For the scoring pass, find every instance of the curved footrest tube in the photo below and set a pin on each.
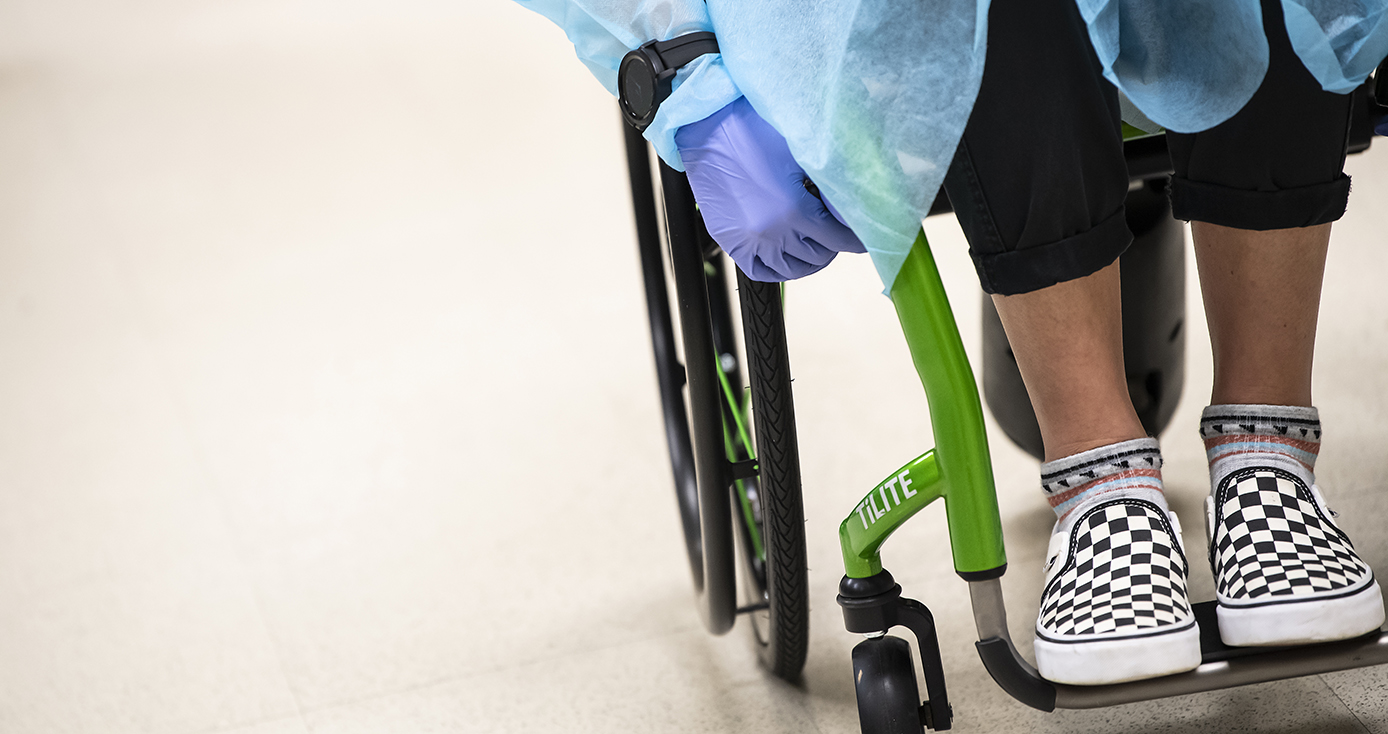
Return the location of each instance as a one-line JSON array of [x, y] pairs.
[[1015, 675]]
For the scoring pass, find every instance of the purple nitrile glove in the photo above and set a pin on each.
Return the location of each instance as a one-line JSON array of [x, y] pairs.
[[754, 197]]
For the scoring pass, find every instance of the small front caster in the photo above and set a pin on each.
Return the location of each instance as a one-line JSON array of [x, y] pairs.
[[885, 679], [883, 674]]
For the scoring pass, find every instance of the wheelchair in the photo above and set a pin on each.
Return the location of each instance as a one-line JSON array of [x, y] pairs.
[[730, 427]]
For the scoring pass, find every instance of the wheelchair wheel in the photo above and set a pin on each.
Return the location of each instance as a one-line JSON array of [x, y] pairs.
[[885, 680], [734, 460]]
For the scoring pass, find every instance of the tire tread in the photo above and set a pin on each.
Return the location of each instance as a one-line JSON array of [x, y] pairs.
[[783, 532]]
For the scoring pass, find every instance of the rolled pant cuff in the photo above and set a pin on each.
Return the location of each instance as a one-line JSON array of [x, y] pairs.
[[1306, 206], [1034, 268]]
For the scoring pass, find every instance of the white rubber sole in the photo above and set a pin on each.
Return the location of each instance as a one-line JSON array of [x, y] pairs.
[[1303, 622], [1101, 662]]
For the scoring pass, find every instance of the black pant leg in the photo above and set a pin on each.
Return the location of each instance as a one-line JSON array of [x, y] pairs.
[[1039, 180]]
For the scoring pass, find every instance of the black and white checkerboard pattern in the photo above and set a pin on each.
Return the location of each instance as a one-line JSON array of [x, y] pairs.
[[1271, 540], [1124, 575]]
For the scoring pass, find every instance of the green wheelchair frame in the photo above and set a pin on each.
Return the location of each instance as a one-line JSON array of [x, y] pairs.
[[958, 470]]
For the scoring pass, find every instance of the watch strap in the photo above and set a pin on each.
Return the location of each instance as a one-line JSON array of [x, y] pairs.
[[681, 50]]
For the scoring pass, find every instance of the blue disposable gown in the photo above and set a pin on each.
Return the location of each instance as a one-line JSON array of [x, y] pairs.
[[872, 95]]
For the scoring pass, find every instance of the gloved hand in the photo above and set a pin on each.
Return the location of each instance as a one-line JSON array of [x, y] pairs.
[[754, 197]]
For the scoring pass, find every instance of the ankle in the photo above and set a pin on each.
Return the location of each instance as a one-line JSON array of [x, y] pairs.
[[1096, 423], [1268, 390]]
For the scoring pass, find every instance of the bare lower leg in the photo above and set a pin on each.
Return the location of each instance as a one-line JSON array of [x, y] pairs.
[[1068, 340], [1262, 296]]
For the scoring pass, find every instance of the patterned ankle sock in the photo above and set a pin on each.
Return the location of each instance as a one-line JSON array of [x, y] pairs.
[[1237, 437], [1125, 469]]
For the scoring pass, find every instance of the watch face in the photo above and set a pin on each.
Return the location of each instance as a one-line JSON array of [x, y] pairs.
[[638, 86]]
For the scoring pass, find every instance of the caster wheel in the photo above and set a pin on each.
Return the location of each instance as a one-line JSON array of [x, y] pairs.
[[888, 698]]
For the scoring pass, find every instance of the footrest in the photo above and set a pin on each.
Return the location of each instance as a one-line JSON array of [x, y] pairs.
[[1213, 649]]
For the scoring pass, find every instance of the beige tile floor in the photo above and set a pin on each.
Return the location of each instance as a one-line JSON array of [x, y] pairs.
[[326, 402]]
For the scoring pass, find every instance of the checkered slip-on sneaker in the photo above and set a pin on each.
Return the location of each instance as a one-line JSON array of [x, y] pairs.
[[1114, 607], [1284, 573]]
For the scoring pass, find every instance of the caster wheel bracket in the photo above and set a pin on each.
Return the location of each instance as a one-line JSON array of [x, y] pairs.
[[936, 712]]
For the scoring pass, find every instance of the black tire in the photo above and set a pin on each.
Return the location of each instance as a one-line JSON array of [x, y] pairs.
[[781, 631], [885, 679]]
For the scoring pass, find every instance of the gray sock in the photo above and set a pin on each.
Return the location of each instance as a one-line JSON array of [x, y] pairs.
[[1124, 469], [1286, 437]]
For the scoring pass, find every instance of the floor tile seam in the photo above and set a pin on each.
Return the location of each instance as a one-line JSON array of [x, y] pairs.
[[212, 485], [253, 722], [214, 488], [1343, 702], [447, 680], [138, 314]]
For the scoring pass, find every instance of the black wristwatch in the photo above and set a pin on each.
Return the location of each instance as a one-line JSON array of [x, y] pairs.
[[643, 79]]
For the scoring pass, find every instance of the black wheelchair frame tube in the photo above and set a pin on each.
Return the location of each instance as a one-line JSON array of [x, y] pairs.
[[718, 593]]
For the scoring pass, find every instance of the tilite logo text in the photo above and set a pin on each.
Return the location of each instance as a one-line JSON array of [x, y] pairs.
[[868, 510]]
